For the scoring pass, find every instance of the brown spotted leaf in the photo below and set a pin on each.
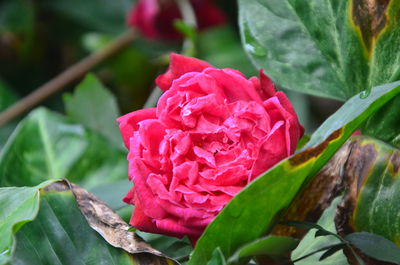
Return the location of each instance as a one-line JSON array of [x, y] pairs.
[[372, 202]]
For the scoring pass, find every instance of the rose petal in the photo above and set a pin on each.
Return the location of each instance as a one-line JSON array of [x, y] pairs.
[[129, 122], [178, 66]]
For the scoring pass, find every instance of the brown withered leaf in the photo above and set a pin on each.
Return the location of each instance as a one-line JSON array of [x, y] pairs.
[[361, 159], [346, 173], [111, 227], [317, 196]]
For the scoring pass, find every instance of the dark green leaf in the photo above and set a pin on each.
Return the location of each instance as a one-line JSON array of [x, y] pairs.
[[326, 48], [45, 146], [268, 246], [284, 181], [375, 246], [93, 106], [334, 249], [322, 233], [63, 232]]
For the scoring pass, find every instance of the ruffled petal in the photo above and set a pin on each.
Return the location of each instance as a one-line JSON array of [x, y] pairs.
[[129, 122], [179, 65]]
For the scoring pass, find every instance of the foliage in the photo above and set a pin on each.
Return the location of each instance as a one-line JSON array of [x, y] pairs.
[[344, 50], [284, 181]]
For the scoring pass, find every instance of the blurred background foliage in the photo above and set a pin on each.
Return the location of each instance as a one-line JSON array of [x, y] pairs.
[[39, 39]]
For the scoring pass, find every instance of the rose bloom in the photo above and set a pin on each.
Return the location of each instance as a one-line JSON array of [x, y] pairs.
[[213, 131], [155, 18]]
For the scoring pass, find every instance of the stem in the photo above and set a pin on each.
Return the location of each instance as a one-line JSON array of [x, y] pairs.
[[68, 76], [188, 47], [189, 17]]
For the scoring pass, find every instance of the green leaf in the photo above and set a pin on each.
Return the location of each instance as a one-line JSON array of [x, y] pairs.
[[268, 196], [310, 244], [18, 206], [268, 246], [217, 258], [334, 249], [375, 246], [327, 48], [63, 229], [45, 146], [93, 106]]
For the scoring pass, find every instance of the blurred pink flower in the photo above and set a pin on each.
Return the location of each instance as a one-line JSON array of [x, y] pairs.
[[155, 18]]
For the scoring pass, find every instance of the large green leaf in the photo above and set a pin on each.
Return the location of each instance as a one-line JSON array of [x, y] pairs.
[[62, 231], [18, 206], [45, 146], [326, 48], [262, 203], [93, 106]]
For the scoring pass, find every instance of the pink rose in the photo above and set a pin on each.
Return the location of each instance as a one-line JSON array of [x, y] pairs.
[[155, 18], [213, 132]]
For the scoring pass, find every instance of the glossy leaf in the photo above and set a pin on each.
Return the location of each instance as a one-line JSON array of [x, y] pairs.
[[18, 206], [272, 246], [268, 196], [327, 48], [93, 106], [61, 231], [45, 146], [375, 246]]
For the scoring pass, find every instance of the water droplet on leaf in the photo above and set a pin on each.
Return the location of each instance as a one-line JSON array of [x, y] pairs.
[[365, 93], [252, 45]]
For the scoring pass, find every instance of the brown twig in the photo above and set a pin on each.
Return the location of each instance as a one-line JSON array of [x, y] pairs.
[[73, 73]]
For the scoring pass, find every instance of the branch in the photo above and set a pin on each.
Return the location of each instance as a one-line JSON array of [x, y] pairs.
[[67, 77]]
